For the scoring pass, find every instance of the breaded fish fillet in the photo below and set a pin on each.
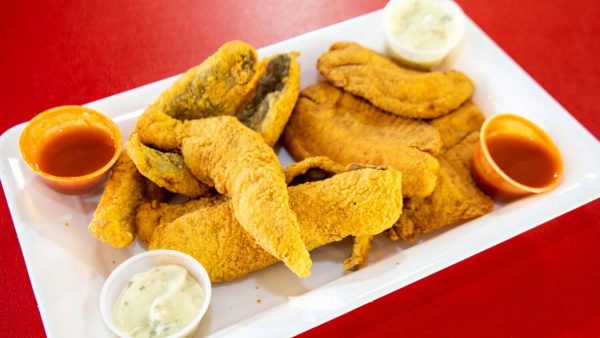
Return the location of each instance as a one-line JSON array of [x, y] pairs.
[[150, 215], [221, 85], [114, 218], [456, 197], [274, 99], [240, 165], [388, 86], [347, 129], [166, 169], [359, 203], [458, 124]]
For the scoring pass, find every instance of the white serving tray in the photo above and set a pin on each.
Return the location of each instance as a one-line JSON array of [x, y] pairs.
[[67, 266]]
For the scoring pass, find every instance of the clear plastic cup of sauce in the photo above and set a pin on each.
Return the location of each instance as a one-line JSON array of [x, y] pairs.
[[421, 33], [515, 157], [71, 147]]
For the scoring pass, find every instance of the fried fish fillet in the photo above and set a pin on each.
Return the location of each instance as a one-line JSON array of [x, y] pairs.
[[149, 215], [221, 85], [114, 218], [388, 86], [274, 99], [166, 169], [456, 197], [360, 203], [239, 164], [458, 124], [332, 123]]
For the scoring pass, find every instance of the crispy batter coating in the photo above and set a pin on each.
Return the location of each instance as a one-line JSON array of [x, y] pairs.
[[149, 215], [166, 169], [455, 199], [239, 164], [388, 86], [360, 252], [114, 218], [312, 169], [359, 203], [274, 99], [332, 123], [457, 125], [221, 85]]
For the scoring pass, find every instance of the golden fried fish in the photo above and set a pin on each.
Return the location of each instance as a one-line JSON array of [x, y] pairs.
[[456, 197], [363, 202], [329, 122], [236, 160], [388, 86], [458, 124]]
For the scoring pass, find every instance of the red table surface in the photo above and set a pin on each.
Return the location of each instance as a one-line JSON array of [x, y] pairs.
[[545, 282]]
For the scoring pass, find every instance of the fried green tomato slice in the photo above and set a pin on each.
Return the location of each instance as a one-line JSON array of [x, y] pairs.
[[166, 169], [274, 99], [404, 92], [358, 203], [221, 85]]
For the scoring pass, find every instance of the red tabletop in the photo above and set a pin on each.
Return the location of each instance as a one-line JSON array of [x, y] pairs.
[[545, 282]]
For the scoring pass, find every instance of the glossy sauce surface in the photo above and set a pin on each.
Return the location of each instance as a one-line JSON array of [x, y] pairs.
[[76, 151], [523, 160]]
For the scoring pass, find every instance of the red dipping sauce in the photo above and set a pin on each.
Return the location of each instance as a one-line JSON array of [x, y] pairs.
[[523, 160], [76, 151]]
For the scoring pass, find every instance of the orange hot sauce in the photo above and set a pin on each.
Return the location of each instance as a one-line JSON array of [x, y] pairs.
[[523, 160], [515, 158], [76, 151], [71, 147]]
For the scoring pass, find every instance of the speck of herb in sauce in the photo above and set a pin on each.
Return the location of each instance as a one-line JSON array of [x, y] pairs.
[[258, 301], [142, 288]]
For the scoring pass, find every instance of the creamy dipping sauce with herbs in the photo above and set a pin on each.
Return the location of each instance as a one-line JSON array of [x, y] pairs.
[[158, 302], [422, 24]]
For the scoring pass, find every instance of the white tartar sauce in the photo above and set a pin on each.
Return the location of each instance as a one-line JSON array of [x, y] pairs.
[[422, 24], [158, 302]]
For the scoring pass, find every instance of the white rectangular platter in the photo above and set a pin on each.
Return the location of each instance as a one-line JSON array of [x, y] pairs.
[[67, 266]]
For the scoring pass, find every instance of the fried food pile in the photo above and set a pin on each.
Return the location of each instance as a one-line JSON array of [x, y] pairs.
[[375, 112], [209, 138], [380, 149]]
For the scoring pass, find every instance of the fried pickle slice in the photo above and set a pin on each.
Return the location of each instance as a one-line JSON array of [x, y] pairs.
[[388, 86], [270, 108], [114, 218], [166, 169], [455, 199], [221, 85], [329, 122], [359, 203], [239, 164]]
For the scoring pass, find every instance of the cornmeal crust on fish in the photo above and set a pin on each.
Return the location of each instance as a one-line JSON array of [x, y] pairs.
[[360, 203], [235, 160], [390, 87], [329, 122]]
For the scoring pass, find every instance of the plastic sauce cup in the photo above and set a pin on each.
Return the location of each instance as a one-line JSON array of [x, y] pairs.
[[118, 279], [423, 58], [49, 125], [515, 157]]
